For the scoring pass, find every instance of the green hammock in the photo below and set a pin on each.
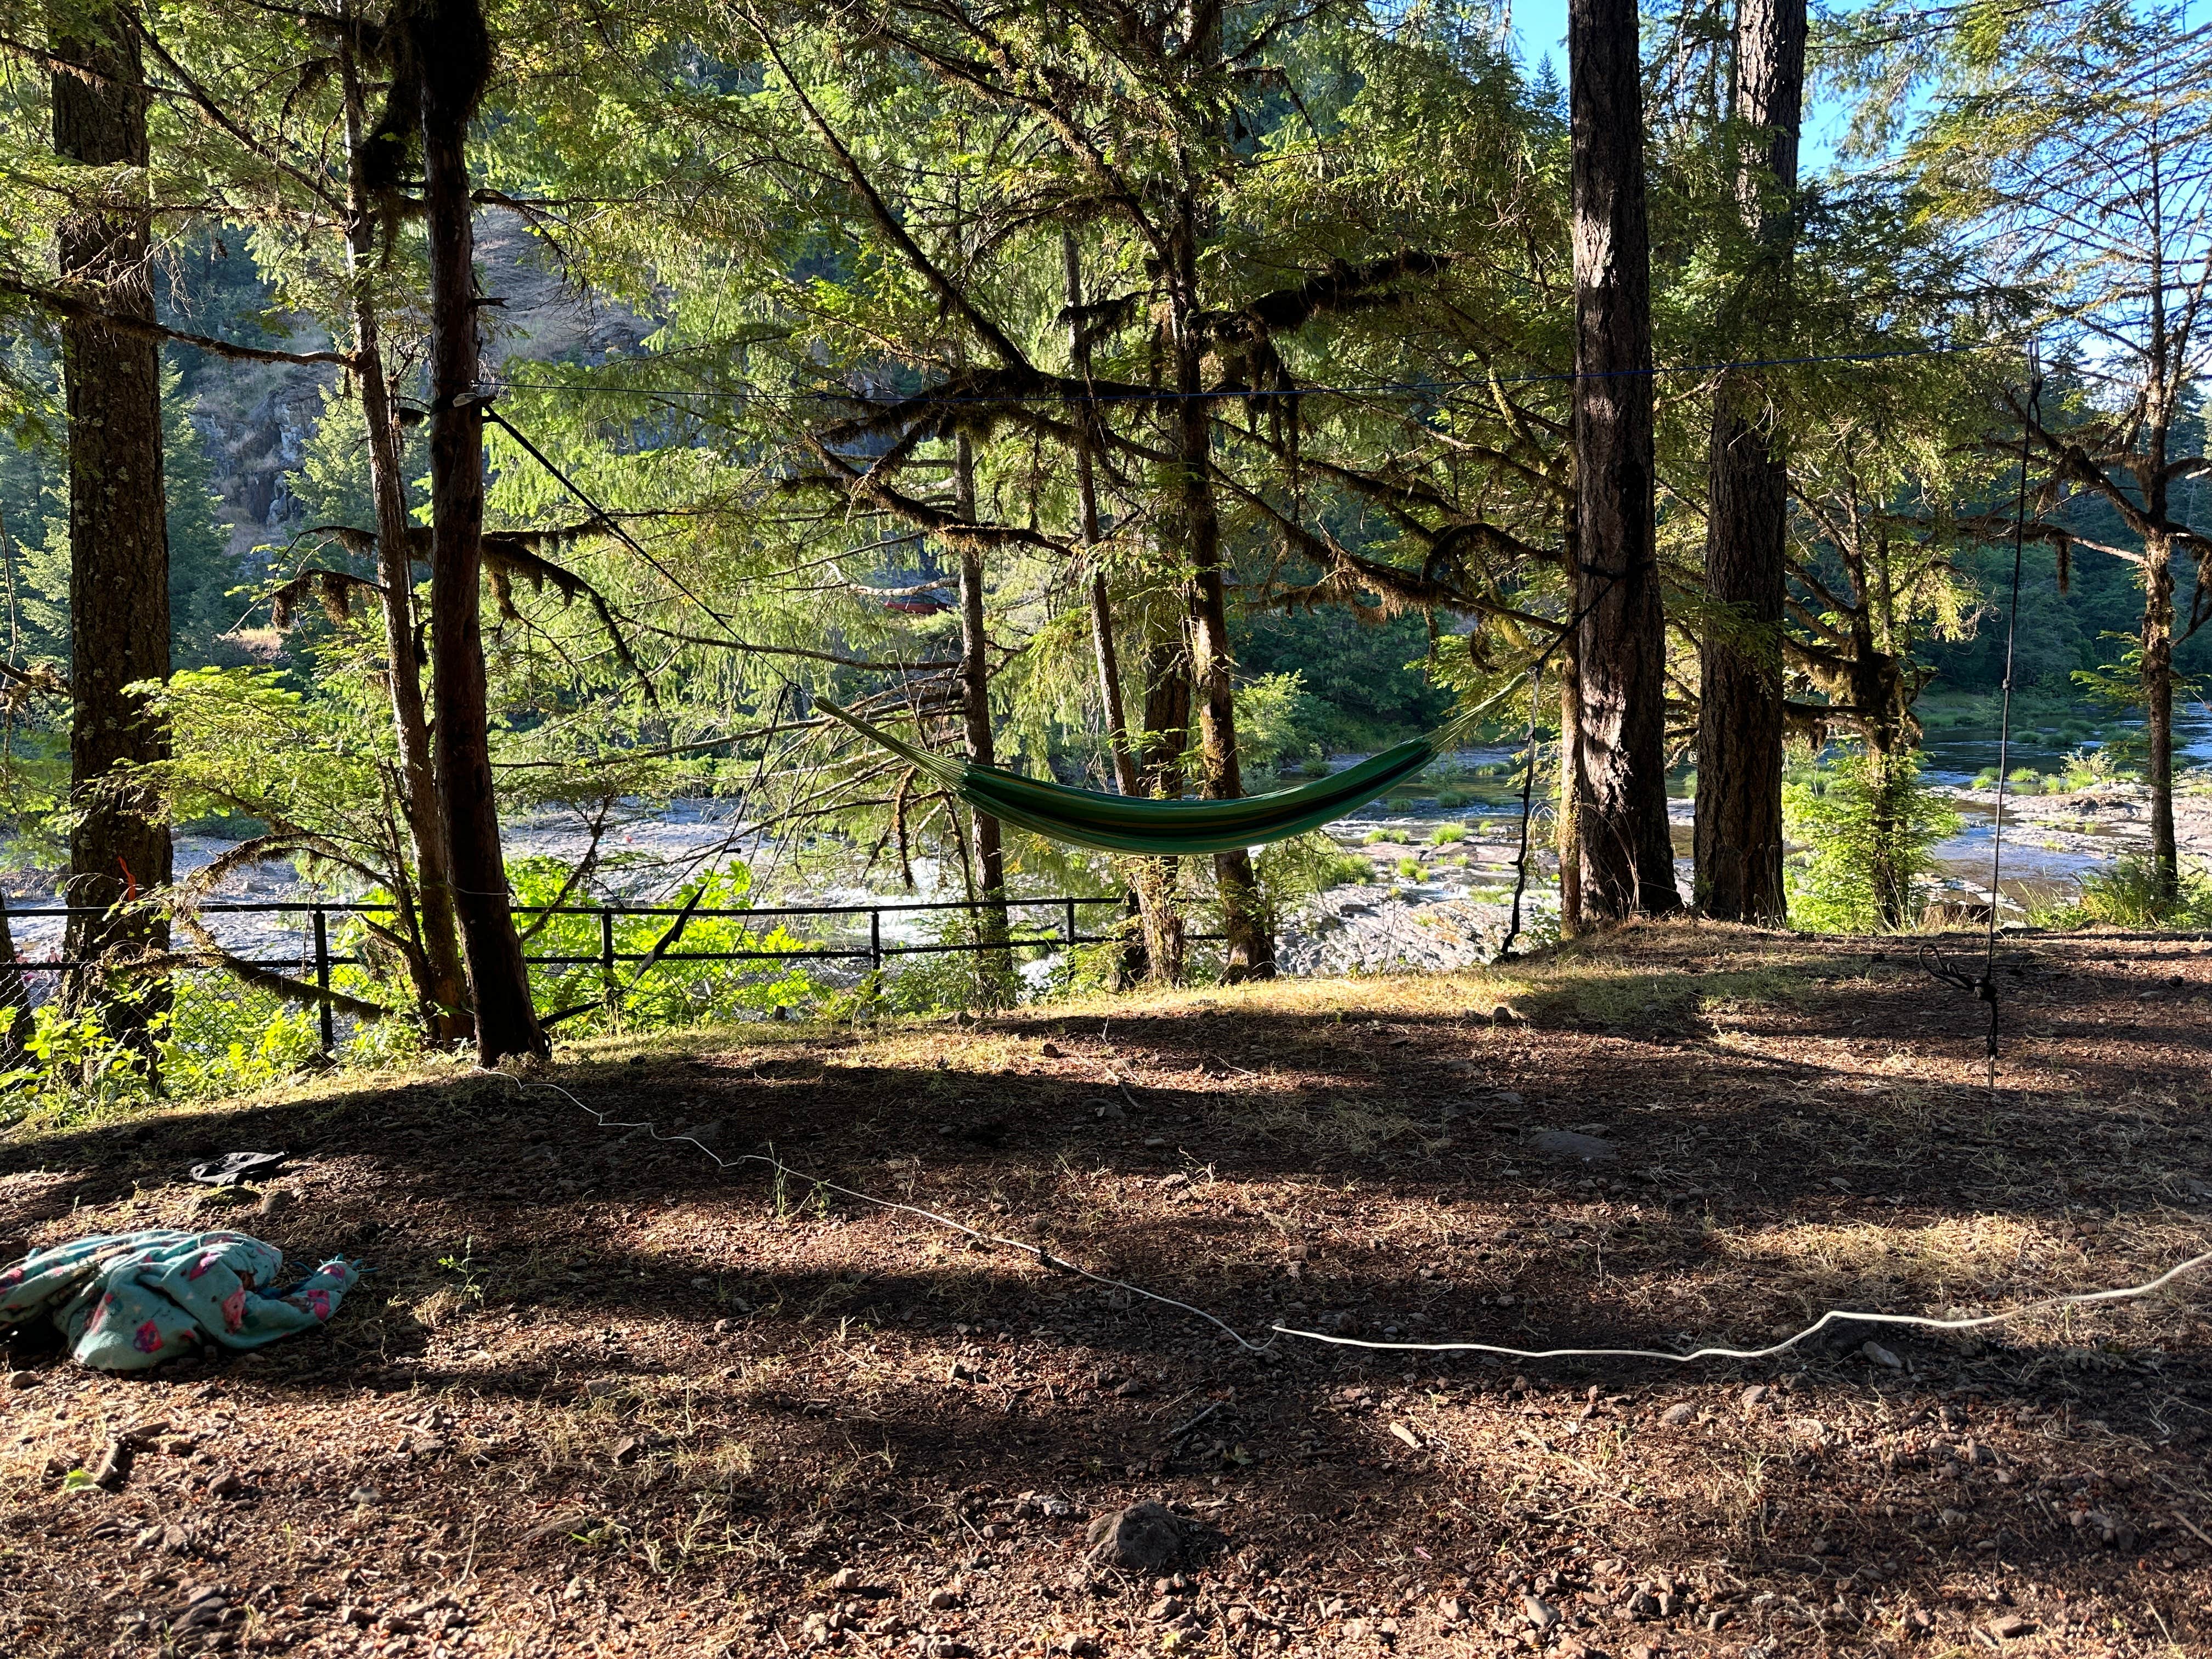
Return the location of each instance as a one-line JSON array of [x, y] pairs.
[[1168, 829]]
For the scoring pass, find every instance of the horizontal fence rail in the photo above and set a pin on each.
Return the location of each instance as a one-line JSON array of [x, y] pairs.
[[317, 948]]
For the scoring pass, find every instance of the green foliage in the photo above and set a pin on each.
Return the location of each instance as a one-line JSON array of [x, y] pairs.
[[2090, 768], [1305, 865], [1867, 824], [1347, 871], [1448, 833], [1357, 690], [1273, 714], [34, 521], [934, 981], [2131, 895], [216, 1037], [678, 991]]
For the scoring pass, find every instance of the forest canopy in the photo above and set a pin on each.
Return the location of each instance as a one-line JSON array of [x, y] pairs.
[[535, 408]]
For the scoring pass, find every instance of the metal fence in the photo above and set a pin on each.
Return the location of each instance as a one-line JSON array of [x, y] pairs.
[[315, 953]]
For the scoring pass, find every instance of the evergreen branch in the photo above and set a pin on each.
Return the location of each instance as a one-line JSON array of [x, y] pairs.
[[66, 304]]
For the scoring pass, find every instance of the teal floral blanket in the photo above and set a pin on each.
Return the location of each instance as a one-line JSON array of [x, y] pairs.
[[125, 1302]]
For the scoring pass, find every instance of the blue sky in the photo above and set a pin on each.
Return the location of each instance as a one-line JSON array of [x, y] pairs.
[[1542, 26]]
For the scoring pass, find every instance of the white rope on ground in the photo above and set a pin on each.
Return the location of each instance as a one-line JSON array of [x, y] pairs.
[[1833, 1315]]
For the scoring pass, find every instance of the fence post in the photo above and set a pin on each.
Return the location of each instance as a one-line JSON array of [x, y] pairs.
[[323, 979], [1071, 921], [607, 952], [876, 940]]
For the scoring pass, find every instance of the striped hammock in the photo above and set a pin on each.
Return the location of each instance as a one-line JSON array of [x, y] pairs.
[[1166, 829]]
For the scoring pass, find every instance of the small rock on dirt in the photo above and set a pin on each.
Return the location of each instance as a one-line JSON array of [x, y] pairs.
[[2010, 1627], [1145, 1537], [1567, 1142], [1883, 1356], [22, 1379], [1541, 1614], [114, 1465], [1676, 1415]]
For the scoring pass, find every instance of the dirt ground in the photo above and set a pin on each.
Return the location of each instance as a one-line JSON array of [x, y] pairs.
[[600, 1397]]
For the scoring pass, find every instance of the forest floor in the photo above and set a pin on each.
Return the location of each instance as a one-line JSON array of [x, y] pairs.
[[600, 1397]]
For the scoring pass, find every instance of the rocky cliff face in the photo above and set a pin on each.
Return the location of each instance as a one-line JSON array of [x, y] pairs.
[[259, 419]]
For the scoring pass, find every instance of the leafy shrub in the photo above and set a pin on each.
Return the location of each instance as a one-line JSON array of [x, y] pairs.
[[1869, 824], [2086, 768], [680, 990], [2128, 896], [1410, 869], [1448, 833], [216, 1037]]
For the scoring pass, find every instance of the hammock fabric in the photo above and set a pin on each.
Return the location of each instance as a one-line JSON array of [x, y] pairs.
[[1166, 829]]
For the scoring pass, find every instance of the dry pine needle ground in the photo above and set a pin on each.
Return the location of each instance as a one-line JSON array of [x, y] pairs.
[[600, 1398]]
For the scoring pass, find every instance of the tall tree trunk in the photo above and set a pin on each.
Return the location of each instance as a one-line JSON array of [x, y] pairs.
[[440, 988], [1087, 491], [1566, 838], [118, 518], [1144, 888], [1248, 946], [2157, 709], [1740, 735], [1248, 949], [1627, 855], [16, 1015], [975, 714], [1167, 729], [453, 53]]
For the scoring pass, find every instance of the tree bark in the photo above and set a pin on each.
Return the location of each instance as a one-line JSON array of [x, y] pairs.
[[1625, 851], [440, 988], [1566, 839], [1146, 890], [975, 713], [1248, 949], [119, 528], [453, 54], [1087, 491], [15, 1016], [2158, 710], [1740, 718], [1167, 728], [1248, 946]]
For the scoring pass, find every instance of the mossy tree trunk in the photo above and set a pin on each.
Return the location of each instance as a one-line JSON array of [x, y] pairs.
[[119, 850]]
